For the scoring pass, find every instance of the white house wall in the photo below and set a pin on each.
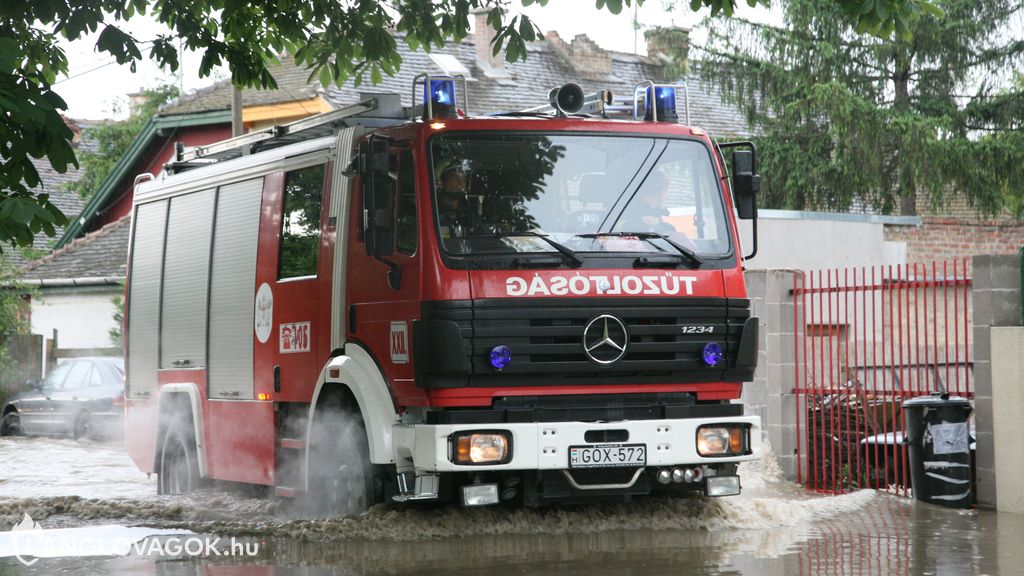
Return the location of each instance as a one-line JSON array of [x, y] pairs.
[[813, 240], [83, 318]]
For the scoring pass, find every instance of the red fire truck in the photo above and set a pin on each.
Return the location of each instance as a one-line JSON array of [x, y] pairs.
[[388, 303]]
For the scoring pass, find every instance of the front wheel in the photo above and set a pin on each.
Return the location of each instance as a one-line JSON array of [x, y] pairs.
[[11, 425], [342, 481], [179, 464]]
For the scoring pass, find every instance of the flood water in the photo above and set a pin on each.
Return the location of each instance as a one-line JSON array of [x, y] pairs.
[[92, 490]]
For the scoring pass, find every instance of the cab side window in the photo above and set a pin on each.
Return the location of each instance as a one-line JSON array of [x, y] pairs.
[[300, 222], [406, 228]]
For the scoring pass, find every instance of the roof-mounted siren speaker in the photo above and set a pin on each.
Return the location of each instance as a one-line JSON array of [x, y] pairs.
[[567, 98], [439, 98], [660, 102]]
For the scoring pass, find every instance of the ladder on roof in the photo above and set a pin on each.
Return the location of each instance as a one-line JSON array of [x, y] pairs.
[[316, 126]]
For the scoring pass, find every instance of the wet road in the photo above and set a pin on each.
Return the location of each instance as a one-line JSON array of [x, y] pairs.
[[773, 528]]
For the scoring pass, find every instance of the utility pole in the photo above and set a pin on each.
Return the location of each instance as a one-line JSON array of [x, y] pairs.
[[236, 110]]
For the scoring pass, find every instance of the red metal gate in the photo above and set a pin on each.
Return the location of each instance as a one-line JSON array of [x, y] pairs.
[[866, 339]]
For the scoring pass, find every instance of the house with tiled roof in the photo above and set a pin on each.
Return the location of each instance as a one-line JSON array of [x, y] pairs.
[[204, 117]]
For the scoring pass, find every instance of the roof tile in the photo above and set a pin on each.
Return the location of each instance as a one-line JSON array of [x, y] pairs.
[[526, 85], [100, 254]]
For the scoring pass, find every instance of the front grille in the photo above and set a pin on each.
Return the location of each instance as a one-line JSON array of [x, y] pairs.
[[666, 338]]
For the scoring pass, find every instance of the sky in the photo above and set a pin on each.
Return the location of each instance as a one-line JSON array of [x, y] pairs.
[[97, 87]]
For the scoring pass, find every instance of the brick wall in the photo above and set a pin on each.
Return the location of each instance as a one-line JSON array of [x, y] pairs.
[[945, 238]]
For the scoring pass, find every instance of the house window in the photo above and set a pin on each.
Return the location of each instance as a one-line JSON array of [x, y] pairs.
[[300, 222]]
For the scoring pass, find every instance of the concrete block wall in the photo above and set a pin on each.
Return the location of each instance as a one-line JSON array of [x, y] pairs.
[[996, 298], [770, 395]]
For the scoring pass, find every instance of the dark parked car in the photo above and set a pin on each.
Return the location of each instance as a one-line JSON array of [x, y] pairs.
[[81, 397]]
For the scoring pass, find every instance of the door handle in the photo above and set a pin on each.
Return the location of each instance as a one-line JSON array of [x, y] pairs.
[[277, 378]]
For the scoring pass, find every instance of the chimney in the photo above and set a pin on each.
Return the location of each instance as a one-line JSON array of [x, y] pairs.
[[136, 101], [482, 37], [589, 59], [670, 45]]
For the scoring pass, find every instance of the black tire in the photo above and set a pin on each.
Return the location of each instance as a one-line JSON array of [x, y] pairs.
[[342, 481], [83, 429], [10, 425], [179, 462]]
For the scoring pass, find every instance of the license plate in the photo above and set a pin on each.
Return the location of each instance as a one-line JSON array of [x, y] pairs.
[[608, 456]]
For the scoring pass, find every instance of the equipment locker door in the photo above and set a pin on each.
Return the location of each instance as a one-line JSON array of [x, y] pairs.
[[293, 276]]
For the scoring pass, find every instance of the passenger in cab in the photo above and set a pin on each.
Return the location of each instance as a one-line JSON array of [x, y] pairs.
[[455, 216]]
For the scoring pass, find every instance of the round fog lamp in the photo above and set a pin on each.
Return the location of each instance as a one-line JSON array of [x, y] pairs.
[[713, 354], [501, 357]]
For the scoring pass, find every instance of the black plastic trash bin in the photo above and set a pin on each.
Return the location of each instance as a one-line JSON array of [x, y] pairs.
[[939, 441]]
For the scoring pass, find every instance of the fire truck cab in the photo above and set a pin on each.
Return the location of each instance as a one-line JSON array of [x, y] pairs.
[[416, 304]]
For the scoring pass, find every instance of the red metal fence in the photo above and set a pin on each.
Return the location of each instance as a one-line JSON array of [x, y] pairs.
[[866, 339]]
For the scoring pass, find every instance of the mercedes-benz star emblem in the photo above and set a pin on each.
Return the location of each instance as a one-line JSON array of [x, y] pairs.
[[605, 339]]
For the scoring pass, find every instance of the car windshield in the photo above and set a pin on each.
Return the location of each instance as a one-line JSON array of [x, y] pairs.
[[55, 377], [524, 193]]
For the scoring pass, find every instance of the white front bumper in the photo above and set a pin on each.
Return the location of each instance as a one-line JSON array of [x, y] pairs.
[[545, 445]]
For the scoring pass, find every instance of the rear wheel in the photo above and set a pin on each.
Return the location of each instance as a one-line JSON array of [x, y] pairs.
[[342, 481], [179, 464], [83, 426], [11, 424]]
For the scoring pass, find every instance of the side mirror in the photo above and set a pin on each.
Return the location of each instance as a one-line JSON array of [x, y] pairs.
[[379, 206], [34, 383], [746, 183]]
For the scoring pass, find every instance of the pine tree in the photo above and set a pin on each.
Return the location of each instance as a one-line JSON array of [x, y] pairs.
[[845, 119]]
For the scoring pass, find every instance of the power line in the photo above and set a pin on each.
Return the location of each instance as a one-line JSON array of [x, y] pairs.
[[80, 74]]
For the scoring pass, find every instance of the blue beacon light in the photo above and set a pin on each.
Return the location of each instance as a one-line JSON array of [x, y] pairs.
[[440, 94], [663, 101], [501, 357], [712, 354]]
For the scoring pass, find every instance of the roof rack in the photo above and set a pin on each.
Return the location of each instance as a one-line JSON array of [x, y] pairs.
[[308, 128]]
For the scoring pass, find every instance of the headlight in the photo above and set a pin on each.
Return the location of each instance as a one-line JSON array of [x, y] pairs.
[[481, 447], [722, 440]]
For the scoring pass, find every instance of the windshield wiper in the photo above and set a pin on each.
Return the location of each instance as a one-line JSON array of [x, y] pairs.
[[576, 259], [683, 250]]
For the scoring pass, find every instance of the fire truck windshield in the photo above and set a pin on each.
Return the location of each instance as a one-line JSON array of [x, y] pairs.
[[527, 193]]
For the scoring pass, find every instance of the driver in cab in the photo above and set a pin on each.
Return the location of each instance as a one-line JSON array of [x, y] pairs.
[[647, 212]]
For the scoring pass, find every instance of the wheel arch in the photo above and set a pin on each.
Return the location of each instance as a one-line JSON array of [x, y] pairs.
[[179, 401], [356, 374]]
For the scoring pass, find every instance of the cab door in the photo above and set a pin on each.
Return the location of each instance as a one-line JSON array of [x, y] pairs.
[[384, 304], [293, 274]]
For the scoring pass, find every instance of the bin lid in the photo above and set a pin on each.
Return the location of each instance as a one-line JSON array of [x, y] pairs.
[[935, 399]]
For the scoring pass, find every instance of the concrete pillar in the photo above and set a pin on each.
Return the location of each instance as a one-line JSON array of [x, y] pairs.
[[1007, 406], [771, 394], [996, 302]]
